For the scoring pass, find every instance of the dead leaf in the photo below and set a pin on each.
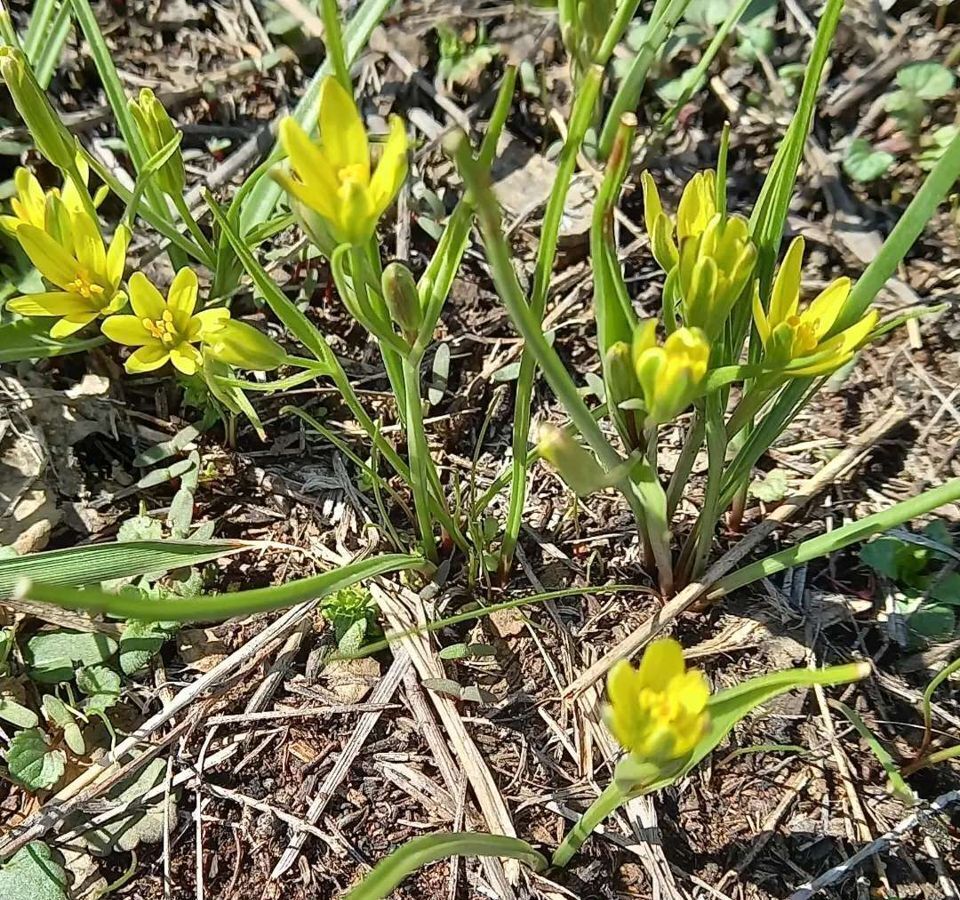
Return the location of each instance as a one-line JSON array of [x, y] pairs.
[[201, 648], [351, 679]]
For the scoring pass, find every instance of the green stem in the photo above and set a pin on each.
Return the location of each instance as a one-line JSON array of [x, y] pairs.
[[420, 851], [608, 802], [688, 456], [710, 512], [546, 254], [333, 40], [938, 756], [187, 217], [418, 451]]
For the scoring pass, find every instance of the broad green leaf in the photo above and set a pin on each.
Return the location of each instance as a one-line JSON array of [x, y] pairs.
[[946, 589], [137, 826], [32, 762], [926, 80], [33, 874], [772, 488], [16, 713], [94, 563], [130, 605], [54, 656], [896, 559], [101, 685], [420, 851], [140, 528], [932, 622], [141, 641], [862, 163]]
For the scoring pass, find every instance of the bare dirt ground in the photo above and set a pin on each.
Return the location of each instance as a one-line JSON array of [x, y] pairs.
[[283, 783]]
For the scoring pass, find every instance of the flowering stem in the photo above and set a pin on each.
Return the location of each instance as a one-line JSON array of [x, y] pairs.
[[688, 455], [418, 451], [608, 802], [205, 247]]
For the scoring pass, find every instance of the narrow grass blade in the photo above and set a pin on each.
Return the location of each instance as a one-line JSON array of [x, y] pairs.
[[262, 199], [116, 96], [896, 783], [935, 187], [925, 705], [49, 56], [104, 562], [842, 537], [219, 606], [40, 18], [428, 848]]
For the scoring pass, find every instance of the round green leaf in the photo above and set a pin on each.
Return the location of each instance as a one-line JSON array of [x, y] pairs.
[[31, 761], [863, 163], [926, 80]]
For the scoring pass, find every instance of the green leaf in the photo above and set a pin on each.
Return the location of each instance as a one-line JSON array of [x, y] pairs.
[[137, 826], [896, 784], [16, 713], [31, 761], [140, 528], [896, 559], [420, 851], [140, 642], [32, 874], [30, 339], [54, 656], [772, 488], [101, 685], [59, 715], [730, 706], [94, 563], [926, 80], [933, 622], [946, 589], [129, 605], [863, 163]]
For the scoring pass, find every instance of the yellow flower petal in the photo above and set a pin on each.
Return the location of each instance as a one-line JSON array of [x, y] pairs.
[[127, 330], [692, 691], [785, 297], [760, 318], [53, 303], [186, 358], [342, 132], [88, 245], [827, 306], [392, 168], [661, 663], [182, 297], [146, 300], [207, 323], [117, 256], [147, 358], [72, 323], [53, 262]]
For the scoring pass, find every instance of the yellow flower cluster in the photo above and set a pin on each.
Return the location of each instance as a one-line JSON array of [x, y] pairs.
[[658, 711], [335, 177], [712, 259], [63, 240]]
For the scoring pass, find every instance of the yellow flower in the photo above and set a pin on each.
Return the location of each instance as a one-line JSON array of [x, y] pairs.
[[658, 712], [797, 342], [715, 258], [670, 376], [164, 329], [334, 177], [87, 273], [30, 205]]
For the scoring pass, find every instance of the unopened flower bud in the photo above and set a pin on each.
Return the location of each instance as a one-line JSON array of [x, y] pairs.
[[576, 465], [45, 127], [157, 131], [245, 347], [403, 299], [622, 383]]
